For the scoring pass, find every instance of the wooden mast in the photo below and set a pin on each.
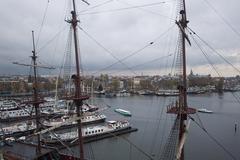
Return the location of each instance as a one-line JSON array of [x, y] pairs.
[[35, 95], [183, 85], [77, 79], [181, 108]]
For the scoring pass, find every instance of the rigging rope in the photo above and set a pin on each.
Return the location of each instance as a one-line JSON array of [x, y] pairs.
[[134, 145], [237, 97], [223, 19], [51, 40], [145, 10], [108, 51], [142, 64], [43, 20], [99, 5], [214, 50], [206, 56], [158, 126], [170, 148], [137, 51], [122, 9], [213, 138]]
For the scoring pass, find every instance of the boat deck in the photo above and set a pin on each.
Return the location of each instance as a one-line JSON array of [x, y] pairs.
[[22, 150], [27, 151]]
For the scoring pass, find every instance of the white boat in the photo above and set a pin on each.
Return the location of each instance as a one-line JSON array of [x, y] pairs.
[[88, 119], [6, 105], [65, 107], [18, 113], [204, 110], [123, 112], [87, 132], [24, 112], [17, 128], [167, 93]]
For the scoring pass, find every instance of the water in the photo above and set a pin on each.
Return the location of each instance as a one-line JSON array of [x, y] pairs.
[[149, 116]]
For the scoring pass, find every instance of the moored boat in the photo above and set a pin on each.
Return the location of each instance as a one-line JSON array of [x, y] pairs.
[[89, 132], [18, 128], [167, 93], [88, 119], [123, 112], [204, 110], [6, 105]]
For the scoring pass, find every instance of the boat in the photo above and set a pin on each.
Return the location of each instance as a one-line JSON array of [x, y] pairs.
[[28, 112], [87, 119], [167, 93], [204, 110], [88, 132], [123, 93], [17, 129], [6, 105], [123, 112], [145, 92], [35, 147], [16, 114]]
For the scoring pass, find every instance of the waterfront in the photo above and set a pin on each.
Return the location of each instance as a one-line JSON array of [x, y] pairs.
[[149, 116]]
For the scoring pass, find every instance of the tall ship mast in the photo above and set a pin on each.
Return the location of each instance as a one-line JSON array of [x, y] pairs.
[[36, 101], [78, 98], [180, 108]]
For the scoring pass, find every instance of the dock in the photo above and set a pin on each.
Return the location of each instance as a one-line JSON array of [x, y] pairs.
[[27, 149]]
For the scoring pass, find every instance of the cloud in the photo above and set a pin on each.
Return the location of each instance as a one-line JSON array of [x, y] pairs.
[[121, 33]]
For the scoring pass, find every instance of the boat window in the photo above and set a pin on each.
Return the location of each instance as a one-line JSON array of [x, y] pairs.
[[101, 129], [96, 131], [92, 131], [86, 132], [89, 132]]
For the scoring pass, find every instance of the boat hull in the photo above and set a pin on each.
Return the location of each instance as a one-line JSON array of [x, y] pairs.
[[75, 124], [93, 137]]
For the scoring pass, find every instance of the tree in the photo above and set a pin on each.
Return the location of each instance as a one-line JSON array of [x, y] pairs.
[[115, 85], [100, 87], [219, 85]]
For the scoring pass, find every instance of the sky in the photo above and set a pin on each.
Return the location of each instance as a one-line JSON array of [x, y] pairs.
[[110, 30]]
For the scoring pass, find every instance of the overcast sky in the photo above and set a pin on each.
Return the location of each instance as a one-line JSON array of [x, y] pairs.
[[119, 33]]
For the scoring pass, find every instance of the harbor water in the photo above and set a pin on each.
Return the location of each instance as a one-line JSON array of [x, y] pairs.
[[149, 116]]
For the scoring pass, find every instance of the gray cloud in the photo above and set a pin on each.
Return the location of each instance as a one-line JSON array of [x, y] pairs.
[[120, 32]]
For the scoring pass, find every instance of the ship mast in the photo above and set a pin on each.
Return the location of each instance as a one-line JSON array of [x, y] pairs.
[[78, 98], [181, 108], [36, 102], [182, 23]]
